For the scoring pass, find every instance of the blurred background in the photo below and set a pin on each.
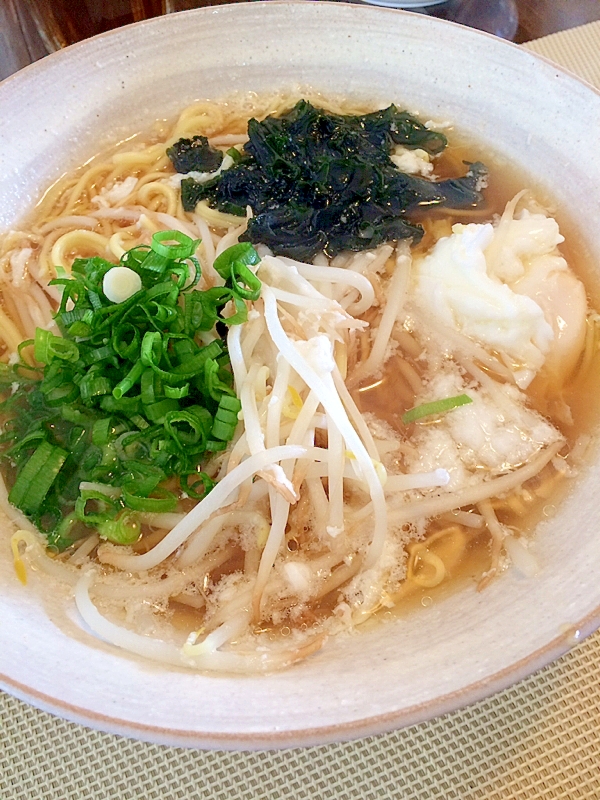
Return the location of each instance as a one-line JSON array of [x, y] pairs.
[[30, 29]]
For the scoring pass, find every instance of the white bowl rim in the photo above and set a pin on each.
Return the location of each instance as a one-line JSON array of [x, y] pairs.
[[322, 735]]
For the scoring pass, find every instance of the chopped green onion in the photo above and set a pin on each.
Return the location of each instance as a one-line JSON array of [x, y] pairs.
[[23, 346], [177, 392], [202, 481], [99, 354], [139, 421], [141, 479], [69, 530], [157, 411], [126, 340], [185, 428], [152, 349], [93, 385], [60, 395], [36, 477], [244, 282], [215, 445], [241, 314], [184, 248], [125, 405], [130, 396], [243, 252], [435, 408], [48, 346], [234, 153], [126, 529], [103, 509], [166, 502], [149, 387], [132, 377]]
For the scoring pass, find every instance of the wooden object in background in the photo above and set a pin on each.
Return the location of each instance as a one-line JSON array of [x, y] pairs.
[[541, 17]]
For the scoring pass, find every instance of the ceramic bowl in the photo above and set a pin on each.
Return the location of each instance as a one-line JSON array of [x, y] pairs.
[[60, 111]]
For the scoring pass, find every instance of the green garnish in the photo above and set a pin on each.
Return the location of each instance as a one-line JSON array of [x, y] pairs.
[[320, 181], [436, 407], [234, 153], [130, 399]]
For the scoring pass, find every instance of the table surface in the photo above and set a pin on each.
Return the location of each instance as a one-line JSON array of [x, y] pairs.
[[541, 17], [536, 18], [536, 740]]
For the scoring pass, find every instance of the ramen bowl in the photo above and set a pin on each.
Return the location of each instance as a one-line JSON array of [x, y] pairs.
[[56, 114]]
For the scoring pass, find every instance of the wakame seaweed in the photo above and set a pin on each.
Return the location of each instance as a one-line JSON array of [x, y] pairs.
[[194, 155], [320, 181]]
